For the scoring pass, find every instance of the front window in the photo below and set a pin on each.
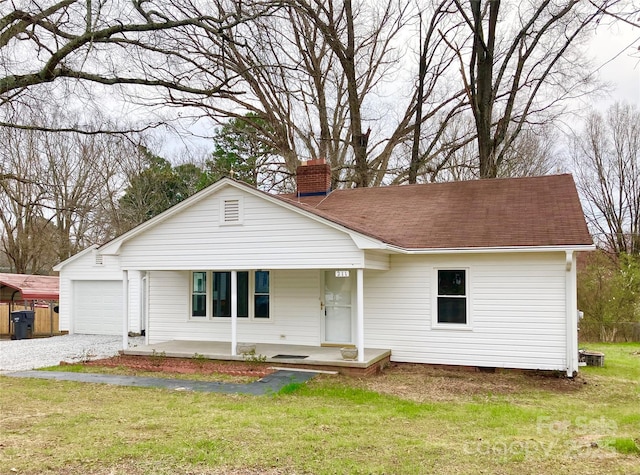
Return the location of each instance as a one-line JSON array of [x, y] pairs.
[[452, 297], [243, 294], [261, 294], [253, 293], [222, 294], [199, 294]]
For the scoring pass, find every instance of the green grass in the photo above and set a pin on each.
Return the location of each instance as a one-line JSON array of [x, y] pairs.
[[622, 445], [120, 370], [403, 422], [620, 361]]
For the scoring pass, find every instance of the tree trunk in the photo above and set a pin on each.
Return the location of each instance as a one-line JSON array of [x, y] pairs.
[[358, 139], [483, 93]]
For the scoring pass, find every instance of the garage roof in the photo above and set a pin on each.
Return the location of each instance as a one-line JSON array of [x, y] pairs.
[[32, 287]]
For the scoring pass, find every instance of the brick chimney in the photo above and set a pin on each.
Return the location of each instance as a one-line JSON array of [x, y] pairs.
[[314, 178]]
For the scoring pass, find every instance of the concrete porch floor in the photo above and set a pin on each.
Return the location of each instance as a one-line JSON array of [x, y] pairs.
[[317, 357]]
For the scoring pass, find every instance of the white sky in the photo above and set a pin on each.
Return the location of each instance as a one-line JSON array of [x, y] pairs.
[[616, 49]]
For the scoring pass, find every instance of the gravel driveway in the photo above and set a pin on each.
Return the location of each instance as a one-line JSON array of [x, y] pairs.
[[20, 355]]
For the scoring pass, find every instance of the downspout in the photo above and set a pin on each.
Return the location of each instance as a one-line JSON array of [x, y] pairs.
[[572, 314]]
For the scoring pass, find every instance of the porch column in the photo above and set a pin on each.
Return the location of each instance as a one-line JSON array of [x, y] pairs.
[[234, 312], [360, 313], [125, 309]]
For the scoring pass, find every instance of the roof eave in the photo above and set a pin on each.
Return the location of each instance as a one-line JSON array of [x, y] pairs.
[[488, 250], [58, 267], [40, 296]]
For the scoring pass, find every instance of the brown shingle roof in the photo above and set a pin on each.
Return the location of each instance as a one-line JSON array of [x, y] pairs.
[[534, 211]]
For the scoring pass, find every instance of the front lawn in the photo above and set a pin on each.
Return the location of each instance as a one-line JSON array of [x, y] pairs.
[[411, 420]]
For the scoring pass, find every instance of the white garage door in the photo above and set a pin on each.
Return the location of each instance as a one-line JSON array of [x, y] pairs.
[[97, 307]]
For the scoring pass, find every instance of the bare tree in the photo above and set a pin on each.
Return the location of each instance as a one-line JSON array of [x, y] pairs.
[[436, 111], [83, 176], [607, 169], [131, 43], [518, 67], [625, 11], [317, 74], [56, 189], [26, 235]]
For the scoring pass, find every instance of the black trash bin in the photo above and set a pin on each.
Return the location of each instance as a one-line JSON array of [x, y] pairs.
[[22, 324]]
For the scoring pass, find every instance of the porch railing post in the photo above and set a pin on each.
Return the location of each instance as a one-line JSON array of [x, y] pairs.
[[234, 312], [360, 312]]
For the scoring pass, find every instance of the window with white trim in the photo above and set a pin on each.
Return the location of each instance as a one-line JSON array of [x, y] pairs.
[[198, 294], [261, 299], [221, 300], [452, 302], [253, 292]]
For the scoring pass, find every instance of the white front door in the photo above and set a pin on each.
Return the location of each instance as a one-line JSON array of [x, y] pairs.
[[338, 306]]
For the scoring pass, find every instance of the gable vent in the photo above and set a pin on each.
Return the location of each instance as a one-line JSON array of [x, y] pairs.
[[232, 212], [99, 259]]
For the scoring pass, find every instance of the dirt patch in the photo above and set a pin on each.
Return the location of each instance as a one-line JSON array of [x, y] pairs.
[[184, 365], [423, 383]]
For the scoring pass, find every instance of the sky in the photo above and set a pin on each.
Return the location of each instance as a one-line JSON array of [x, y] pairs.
[[616, 49]]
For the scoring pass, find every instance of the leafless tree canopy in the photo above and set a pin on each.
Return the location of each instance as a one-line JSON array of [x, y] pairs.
[[58, 192], [607, 158], [387, 91], [131, 43], [519, 67]]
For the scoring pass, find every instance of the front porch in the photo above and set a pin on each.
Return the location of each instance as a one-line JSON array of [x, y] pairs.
[[291, 356]]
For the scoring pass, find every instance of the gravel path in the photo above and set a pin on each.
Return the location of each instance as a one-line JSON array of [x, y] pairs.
[[20, 355]]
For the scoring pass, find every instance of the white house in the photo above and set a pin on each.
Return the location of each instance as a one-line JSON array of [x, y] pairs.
[[479, 273]]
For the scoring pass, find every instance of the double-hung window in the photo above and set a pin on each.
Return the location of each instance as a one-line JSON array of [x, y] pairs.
[[199, 294], [452, 302], [261, 294]]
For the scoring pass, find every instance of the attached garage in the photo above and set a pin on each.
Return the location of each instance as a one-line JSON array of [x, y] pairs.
[[97, 307], [91, 295]]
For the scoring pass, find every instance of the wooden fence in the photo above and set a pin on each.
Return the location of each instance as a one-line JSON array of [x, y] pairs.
[[45, 321]]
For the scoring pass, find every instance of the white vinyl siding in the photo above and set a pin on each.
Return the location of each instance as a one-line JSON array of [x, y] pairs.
[[295, 311], [271, 237], [376, 260], [517, 302]]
